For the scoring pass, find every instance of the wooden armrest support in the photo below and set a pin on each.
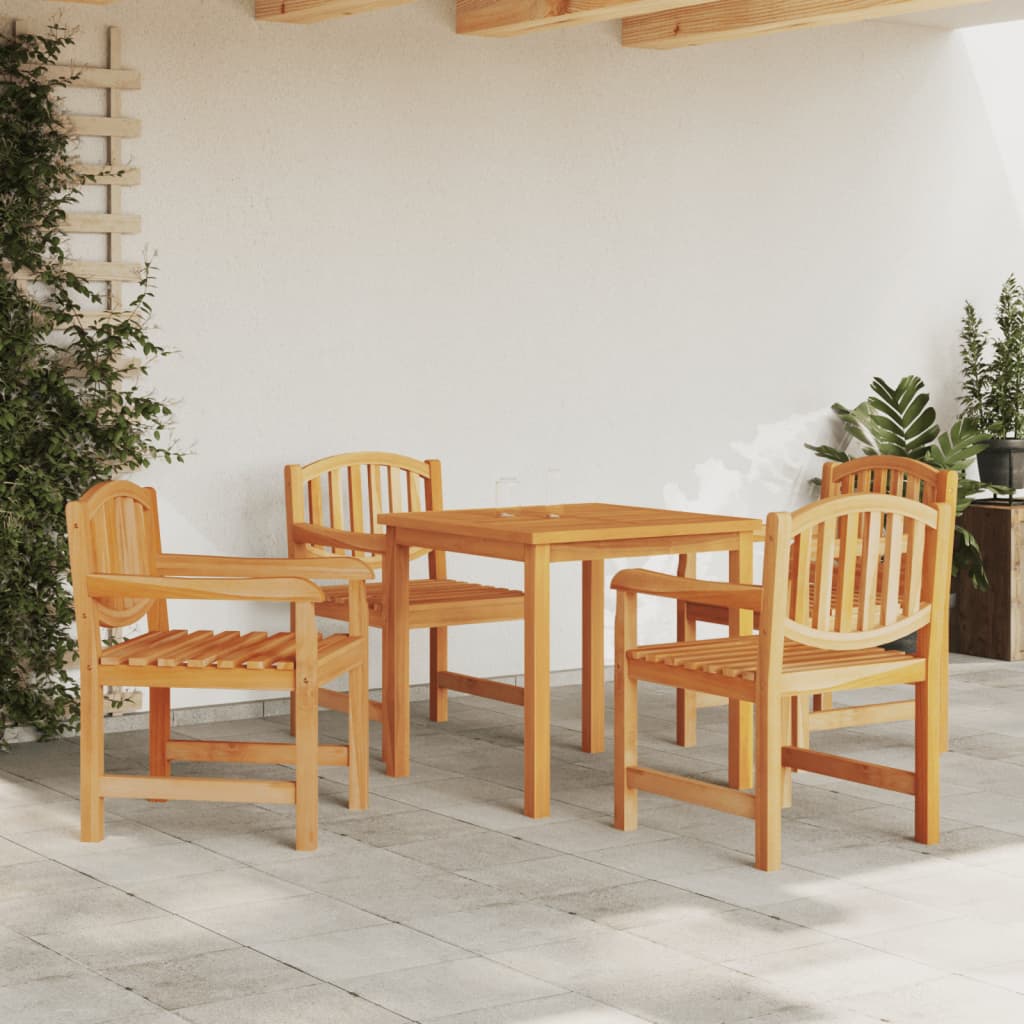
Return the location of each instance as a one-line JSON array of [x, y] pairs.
[[209, 589], [330, 567], [307, 533], [722, 595]]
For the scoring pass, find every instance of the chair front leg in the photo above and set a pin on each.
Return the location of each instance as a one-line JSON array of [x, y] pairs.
[[768, 785], [626, 797], [358, 738], [307, 741], [91, 753]]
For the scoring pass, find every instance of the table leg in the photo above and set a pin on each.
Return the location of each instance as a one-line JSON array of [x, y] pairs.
[[593, 657], [741, 713], [686, 700], [395, 697], [537, 684]]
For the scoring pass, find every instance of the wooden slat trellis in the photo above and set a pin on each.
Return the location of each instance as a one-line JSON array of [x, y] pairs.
[[113, 175]]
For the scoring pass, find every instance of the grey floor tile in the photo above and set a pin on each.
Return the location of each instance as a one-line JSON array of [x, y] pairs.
[[469, 851], [310, 1004], [23, 960], [410, 826], [96, 906], [275, 920], [632, 905], [15, 853], [951, 1000], [149, 940], [339, 957], [505, 926], [229, 887], [710, 995], [567, 1009], [425, 993], [74, 999], [549, 876], [223, 974]]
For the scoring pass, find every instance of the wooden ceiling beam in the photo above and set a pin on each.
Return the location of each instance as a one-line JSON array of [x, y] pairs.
[[303, 12], [736, 19], [515, 17]]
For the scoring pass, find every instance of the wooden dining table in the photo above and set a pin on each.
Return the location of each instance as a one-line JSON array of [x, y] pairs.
[[537, 536]]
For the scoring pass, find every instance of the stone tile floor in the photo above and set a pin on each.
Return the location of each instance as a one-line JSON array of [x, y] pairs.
[[442, 903]]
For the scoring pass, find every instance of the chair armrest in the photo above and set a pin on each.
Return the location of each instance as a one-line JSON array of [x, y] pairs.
[[722, 595], [330, 567], [308, 533], [196, 589]]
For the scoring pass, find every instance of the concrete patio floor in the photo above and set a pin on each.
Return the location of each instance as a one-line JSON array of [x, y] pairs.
[[443, 903]]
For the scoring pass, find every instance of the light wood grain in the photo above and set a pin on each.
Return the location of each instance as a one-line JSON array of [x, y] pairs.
[[305, 12], [515, 17], [120, 574], [738, 19]]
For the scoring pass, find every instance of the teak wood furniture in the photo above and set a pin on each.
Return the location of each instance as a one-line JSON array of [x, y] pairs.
[[120, 574], [841, 577], [875, 474], [990, 623], [538, 536], [335, 504]]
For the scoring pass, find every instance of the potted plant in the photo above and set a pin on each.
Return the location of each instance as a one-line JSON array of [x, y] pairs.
[[992, 371], [900, 420]]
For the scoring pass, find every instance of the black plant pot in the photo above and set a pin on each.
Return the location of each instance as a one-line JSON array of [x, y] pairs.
[[1002, 462]]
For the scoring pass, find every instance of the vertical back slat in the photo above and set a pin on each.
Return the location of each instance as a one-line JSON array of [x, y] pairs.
[[871, 543], [802, 575], [395, 489], [415, 483], [315, 499], [847, 583], [357, 523], [373, 476], [915, 562], [335, 499], [893, 569], [824, 574]]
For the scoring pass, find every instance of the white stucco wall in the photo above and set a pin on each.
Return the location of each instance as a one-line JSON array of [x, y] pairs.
[[650, 271]]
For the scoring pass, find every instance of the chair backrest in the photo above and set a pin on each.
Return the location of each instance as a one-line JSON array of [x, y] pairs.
[[349, 492], [888, 474], [114, 528], [856, 571]]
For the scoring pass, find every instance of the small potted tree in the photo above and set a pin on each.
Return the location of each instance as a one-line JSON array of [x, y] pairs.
[[992, 371]]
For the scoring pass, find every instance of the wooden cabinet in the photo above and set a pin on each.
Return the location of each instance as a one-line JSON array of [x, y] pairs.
[[990, 624]]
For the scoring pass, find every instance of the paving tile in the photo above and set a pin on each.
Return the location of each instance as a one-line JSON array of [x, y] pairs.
[[408, 827], [474, 850], [579, 963], [23, 960], [50, 912], [549, 876], [504, 926], [567, 1009], [669, 860], [957, 944], [710, 995], [832, 969], [75, 999], [588, 835], [274, 920], [339, 957], [708, 933], [149, 940], [311, 1004], [632, 905], [214, 889], [14, 853], [223, 974], [951, 1000], [64, 845], [425, 993]]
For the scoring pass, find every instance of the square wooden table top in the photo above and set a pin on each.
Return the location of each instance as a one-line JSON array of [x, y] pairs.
[[566, 524]]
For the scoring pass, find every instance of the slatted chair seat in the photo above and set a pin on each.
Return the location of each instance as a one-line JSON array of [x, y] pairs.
[[736, 658], [892, 556], [334, 505], [120, 575]]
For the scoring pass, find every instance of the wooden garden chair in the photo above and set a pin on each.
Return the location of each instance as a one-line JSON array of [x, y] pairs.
[[842, 576], [333, 505], [876, 474], [120, 574]]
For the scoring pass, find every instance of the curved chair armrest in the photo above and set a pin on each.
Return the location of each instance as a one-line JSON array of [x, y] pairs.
[[330, 567], [308, 533], [723, 595], [200, 589]]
